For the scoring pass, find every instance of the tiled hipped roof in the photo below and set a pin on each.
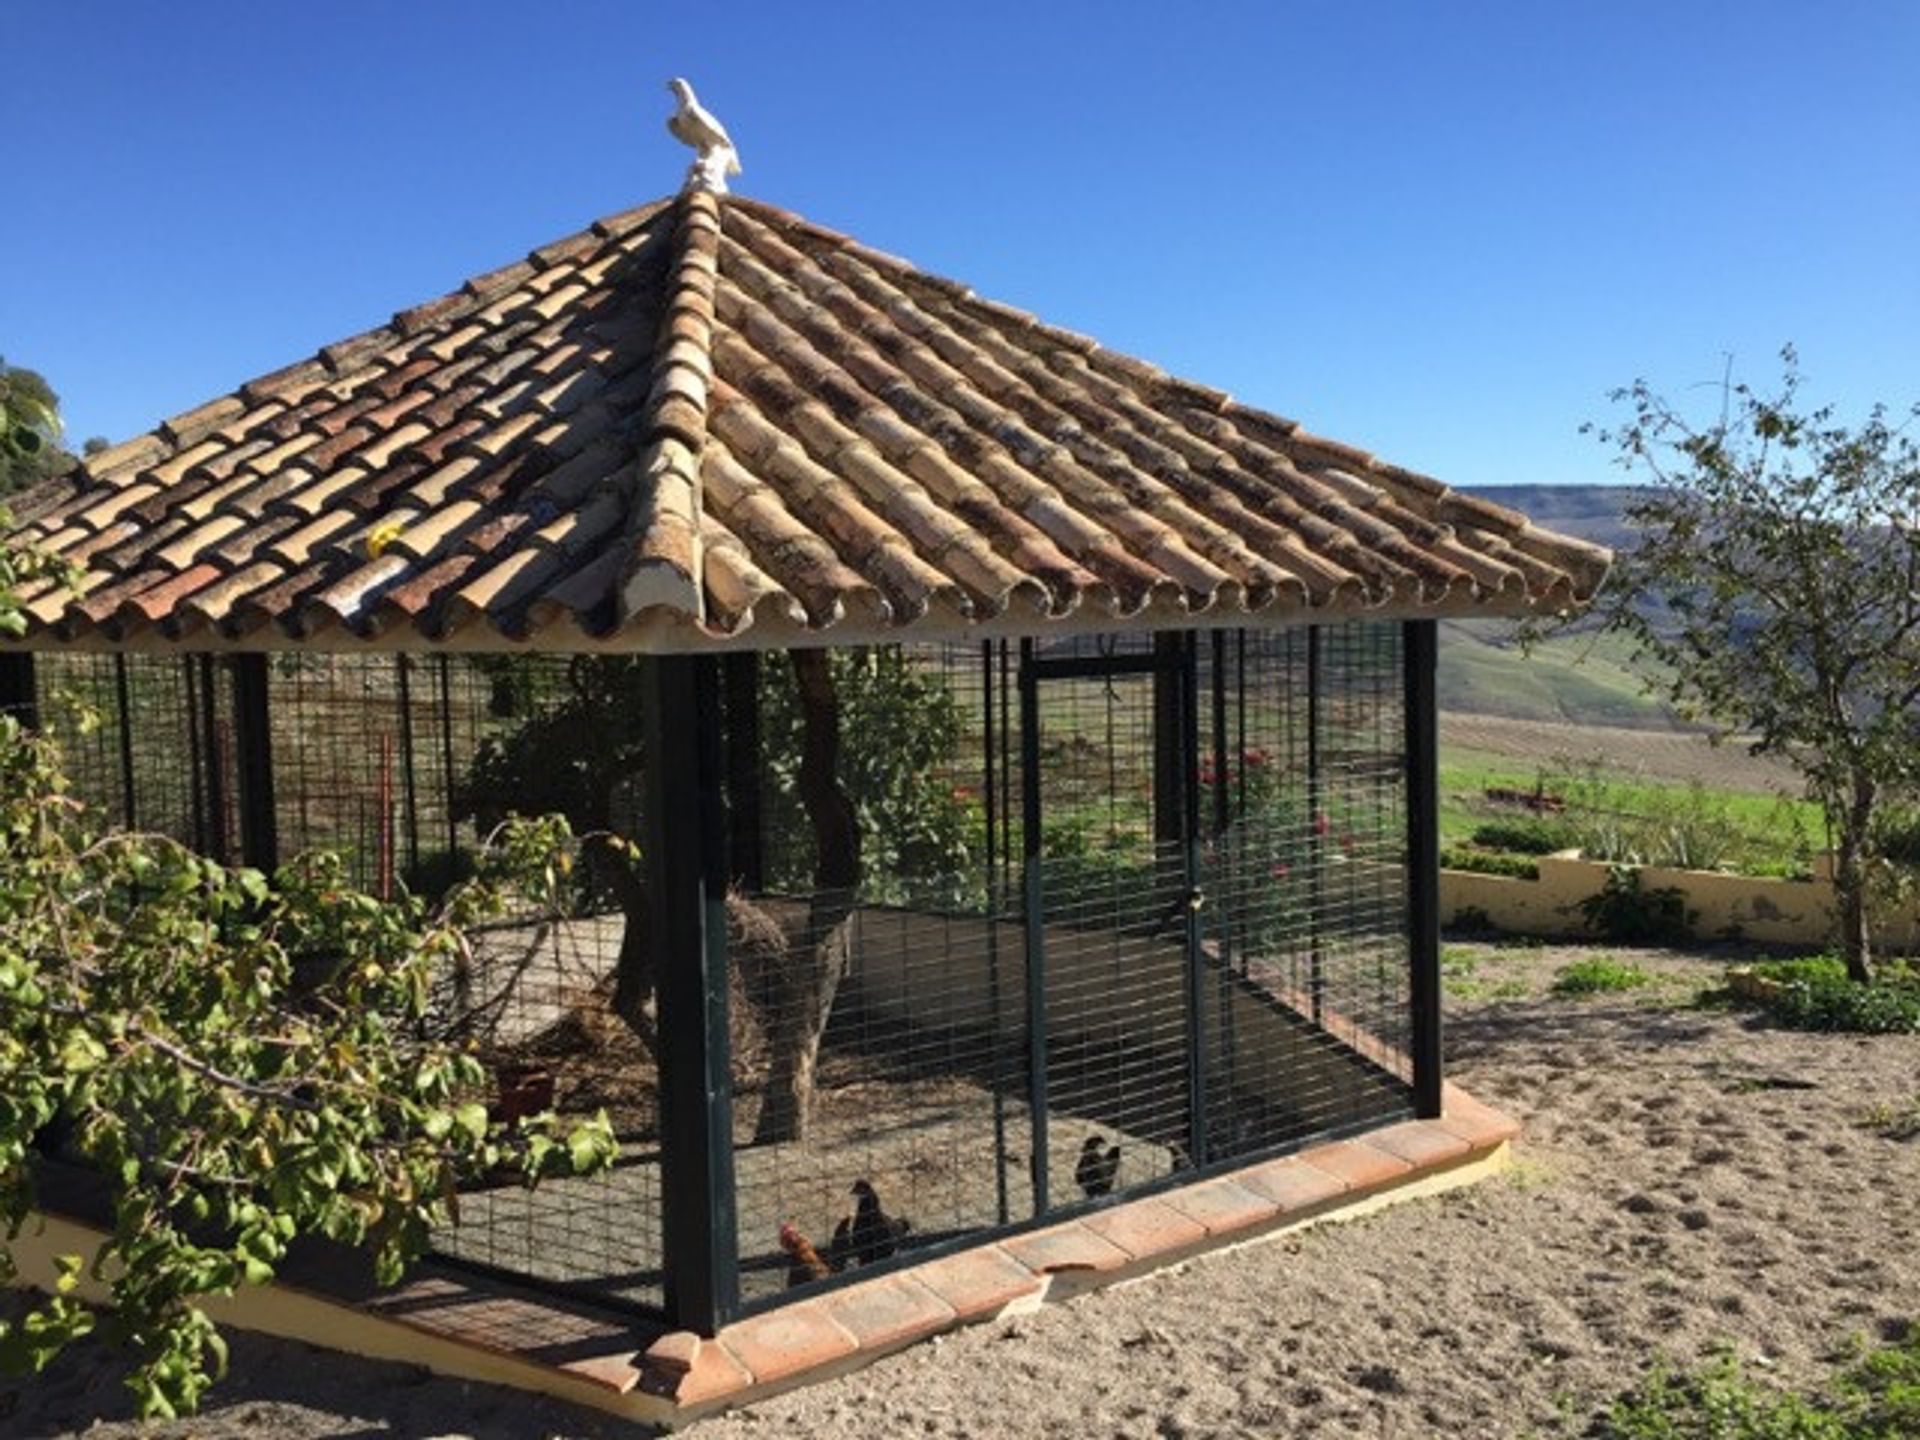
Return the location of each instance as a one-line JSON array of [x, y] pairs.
[[707, 422]]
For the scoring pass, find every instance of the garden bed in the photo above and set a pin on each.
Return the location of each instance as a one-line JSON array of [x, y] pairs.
[[1714, 905]]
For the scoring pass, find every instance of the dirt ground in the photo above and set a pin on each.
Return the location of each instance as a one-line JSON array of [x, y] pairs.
[[1688, 1179], [1651, 754]]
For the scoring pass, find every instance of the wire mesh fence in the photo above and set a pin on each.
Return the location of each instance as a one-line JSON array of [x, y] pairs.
[[399, 765], [1013, 927]]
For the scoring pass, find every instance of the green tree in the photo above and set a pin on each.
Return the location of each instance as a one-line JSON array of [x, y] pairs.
[[1783, 544], [30, 428], [852, 742], [152, 1031]]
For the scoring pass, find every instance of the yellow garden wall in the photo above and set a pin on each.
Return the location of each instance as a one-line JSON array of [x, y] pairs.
[[1783, 912]]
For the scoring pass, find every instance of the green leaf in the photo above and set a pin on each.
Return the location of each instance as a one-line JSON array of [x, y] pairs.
[[80, 1052], [472, 1119]]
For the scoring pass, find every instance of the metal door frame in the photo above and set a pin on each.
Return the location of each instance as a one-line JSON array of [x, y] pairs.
[[1174, 663]]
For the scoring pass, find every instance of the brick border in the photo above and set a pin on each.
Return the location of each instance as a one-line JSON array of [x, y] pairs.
[[476, 1329], [846, 1328]]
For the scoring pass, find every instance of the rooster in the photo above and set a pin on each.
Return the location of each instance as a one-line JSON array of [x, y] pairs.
[[875, 1235], [1099, 1167], [804, 1264]]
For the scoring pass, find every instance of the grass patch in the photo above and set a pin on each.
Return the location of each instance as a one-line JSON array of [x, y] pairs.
[[1877, 1397], [1623, 818], [1463, 978], [1585, 679], [1599, 975]]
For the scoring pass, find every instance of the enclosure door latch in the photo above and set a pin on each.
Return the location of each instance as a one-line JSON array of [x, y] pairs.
[[1188, 904]]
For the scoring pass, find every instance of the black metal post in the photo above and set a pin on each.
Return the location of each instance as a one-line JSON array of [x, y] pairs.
[[197, 749], [989, 780], [1035, 910], [1169, 763], [1420, 653], [123, 700], [259, 830], [16, 688], [686, 868], [746, 844], [449, 781], [1226, 863], [1318, 827], [409, 785], [1187, 688]]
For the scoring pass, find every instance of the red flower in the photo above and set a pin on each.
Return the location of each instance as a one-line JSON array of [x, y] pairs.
[[1282, 870], [1321, 825], [1254, 758]]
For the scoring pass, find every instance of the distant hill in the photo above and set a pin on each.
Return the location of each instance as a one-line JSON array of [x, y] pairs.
[[1578, 677], [1587, 512]]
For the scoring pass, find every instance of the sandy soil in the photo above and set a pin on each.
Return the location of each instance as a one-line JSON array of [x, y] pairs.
[[1651, 754], [1688, 1180]]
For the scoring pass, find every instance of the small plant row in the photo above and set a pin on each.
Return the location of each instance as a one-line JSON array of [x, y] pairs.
[[1814, 993], [1687, 827]]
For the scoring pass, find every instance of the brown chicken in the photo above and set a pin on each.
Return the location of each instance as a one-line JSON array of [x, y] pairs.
[[804, 1265]]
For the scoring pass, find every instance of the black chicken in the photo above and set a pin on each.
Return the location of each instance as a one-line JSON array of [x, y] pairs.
[[840, 1248], [876, 1235], [1098, 1168]]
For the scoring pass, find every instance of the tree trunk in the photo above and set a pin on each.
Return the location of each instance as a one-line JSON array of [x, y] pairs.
[[801, 989], [1850, 884], [634, 974]]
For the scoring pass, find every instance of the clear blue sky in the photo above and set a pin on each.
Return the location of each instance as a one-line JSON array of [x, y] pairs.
[[1438, 231]]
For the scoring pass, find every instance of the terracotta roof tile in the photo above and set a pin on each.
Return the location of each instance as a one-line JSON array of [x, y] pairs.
[[709, 421]]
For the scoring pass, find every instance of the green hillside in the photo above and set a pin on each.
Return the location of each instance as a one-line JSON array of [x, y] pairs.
[[1583, 679], [1580, 678]]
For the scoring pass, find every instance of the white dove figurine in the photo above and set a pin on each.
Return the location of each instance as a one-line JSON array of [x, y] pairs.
[[692, 124]]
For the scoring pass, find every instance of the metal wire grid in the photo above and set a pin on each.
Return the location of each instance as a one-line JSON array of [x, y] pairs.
[[1291, 1022], [536, 1003], [1307, 1003], [1116, 894], [369, 755], [148, 742], [919, 1088], [1289, 890]]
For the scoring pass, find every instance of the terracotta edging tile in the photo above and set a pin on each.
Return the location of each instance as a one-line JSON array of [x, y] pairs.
[[981, 1282], [1147, 1229], [788, 1341], [687, 1370], [1423, 1144], [1065, 1247], [1360, 1165], [1480, 1125], [1295, 1186], [1224, 1205], [883, 1313], [616, 1372]]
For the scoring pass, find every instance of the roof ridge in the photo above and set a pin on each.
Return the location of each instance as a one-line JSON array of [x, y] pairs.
[[663, 566]]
